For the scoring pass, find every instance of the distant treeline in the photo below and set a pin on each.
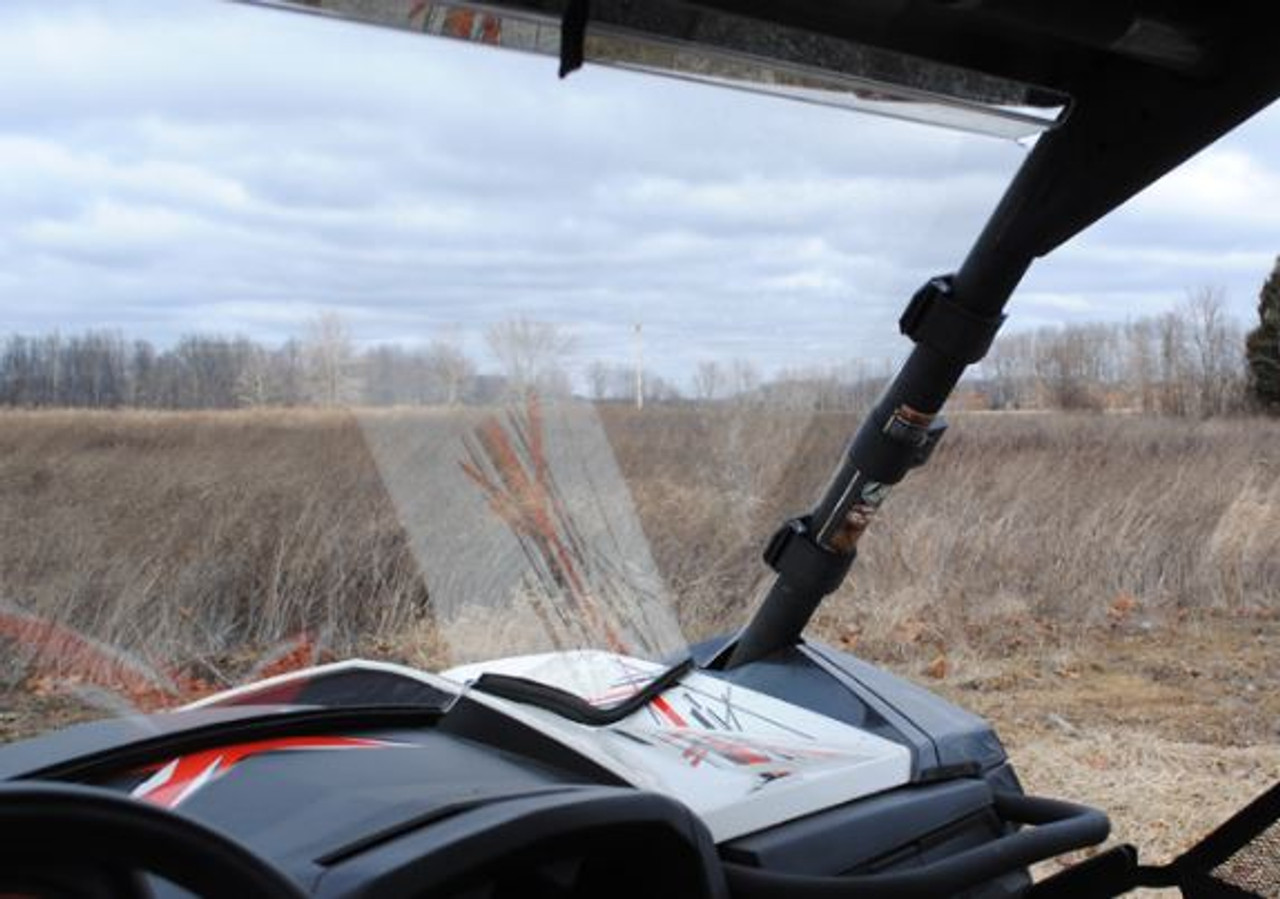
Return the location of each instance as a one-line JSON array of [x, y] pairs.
[[1187, 362], [1190, 361], [104, 369]]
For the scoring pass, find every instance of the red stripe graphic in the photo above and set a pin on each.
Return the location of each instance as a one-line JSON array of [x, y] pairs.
[[176, 780], [668, 712]]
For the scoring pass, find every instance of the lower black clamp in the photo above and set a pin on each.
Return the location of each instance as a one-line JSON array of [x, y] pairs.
[[803, 563]]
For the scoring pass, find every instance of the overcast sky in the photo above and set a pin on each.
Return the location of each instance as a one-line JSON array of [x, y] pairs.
[[195, 165]]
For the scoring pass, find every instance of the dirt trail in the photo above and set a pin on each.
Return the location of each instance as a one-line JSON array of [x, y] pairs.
[[1169, 731]]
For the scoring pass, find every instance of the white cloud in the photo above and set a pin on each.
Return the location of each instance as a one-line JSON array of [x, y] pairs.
[[1228, 184]]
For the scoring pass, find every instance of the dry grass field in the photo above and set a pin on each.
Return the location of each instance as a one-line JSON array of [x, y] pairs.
[[1106, 588]]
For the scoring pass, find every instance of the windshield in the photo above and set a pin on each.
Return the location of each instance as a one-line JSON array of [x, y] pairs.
[[329, 342]]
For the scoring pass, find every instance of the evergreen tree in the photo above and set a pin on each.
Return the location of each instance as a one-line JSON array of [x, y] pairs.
[[1262, 346]]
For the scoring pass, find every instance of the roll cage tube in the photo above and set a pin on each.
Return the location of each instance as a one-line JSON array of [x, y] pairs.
[[1128, 125]]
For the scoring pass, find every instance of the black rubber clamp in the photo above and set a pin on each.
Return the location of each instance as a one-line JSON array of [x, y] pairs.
[[935, 319], [803, 563]]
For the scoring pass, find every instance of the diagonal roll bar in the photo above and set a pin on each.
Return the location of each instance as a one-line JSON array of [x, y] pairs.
[[812, 554], [953, 320]]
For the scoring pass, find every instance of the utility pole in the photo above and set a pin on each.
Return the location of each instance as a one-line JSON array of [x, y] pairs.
[[639, 367]]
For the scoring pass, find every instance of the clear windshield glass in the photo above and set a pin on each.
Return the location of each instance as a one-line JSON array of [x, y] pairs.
[[323, 342], [522, 515]]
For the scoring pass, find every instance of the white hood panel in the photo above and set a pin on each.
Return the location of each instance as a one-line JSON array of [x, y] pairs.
[[742, 760]]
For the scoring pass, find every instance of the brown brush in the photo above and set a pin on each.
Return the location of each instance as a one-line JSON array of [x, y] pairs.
[[509, 463]]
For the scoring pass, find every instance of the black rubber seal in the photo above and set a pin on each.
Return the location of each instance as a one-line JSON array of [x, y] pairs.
[[573, 707]]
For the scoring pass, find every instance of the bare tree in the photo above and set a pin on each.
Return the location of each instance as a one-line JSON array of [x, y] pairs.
[[448, 371], [1215, 349], [329, 354], [743, 378], [708, 380], [1010, 371], [531, 354], [288, 373], [1140, 364], [1172, 366], [253, 379]]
